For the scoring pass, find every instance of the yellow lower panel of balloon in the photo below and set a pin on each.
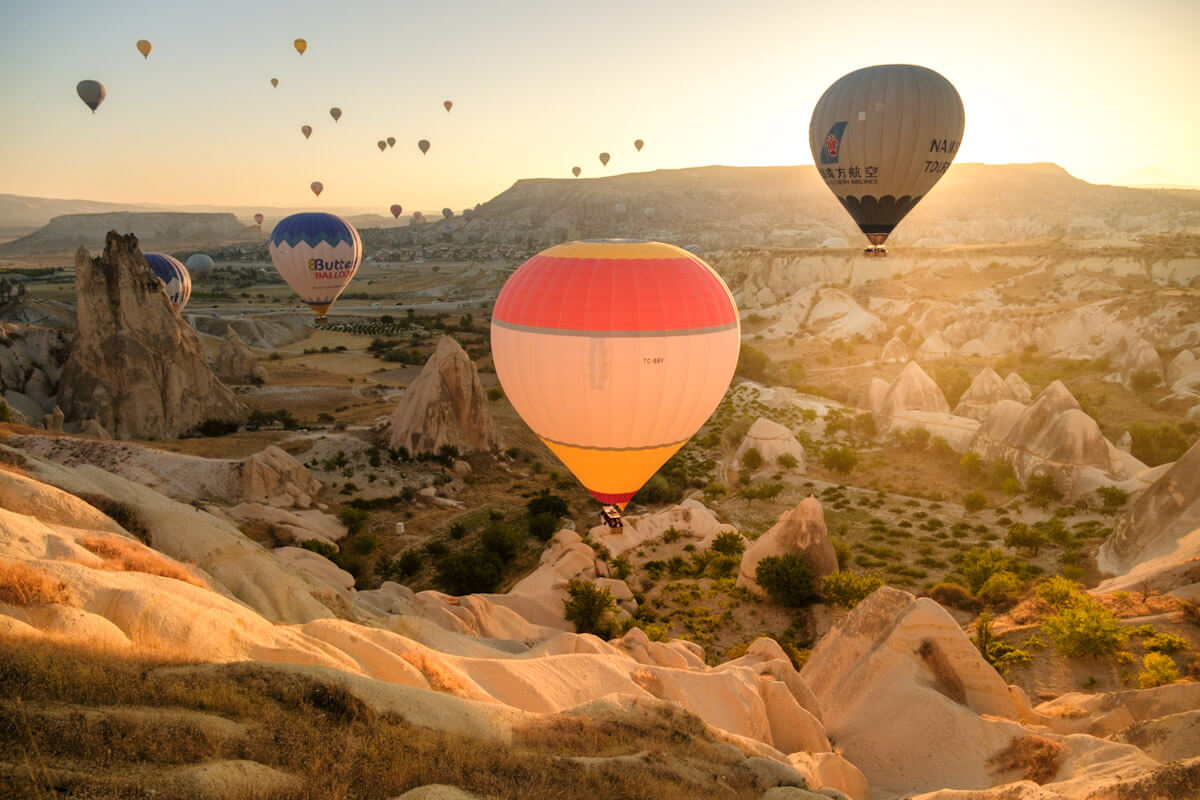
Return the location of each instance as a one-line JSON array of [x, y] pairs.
[[613, 471], [321, 310]]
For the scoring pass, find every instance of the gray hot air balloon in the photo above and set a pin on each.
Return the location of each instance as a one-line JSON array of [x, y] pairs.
[[382, 145], [575, 171], [391, 140], [638, 144], [336, 113], [200, 265], [604, 159], [424, 145], [92, 93], [881, 138]]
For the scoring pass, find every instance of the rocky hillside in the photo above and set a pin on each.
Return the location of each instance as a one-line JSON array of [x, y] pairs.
[[156, 230]]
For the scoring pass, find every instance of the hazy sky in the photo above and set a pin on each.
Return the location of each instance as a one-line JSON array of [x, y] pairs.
[[1099, 86]]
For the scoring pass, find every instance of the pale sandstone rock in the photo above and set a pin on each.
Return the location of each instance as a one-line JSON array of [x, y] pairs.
[[894, 352], [691, 518], [237, 363], [800, 530], [985, 391], [771, 440]]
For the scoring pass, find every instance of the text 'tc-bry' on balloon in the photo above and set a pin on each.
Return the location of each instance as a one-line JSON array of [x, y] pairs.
[[275, 83], [638, 144], [881, 137], [382, 145], [175, 278], [604, 159], [448, 105], [631, 381], [391, 140], [306, 130], [336, 113], [301, 45], [424, 145], [317, 187], [92, 93], [396, 210], [317, 254], [575, 171], [144, 47]]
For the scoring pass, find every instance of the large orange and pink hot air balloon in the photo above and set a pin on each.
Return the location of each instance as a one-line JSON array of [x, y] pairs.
[[614, 353]]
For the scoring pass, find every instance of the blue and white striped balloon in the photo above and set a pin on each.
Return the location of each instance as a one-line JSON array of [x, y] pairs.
[[174, 276], [317, 254]]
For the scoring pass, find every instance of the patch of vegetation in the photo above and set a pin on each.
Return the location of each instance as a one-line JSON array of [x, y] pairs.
[[590, 607], [1035, 758], [788, 579], [1157, 444], [1157, 670], [321, 548], [1085, 628], [846, 588]]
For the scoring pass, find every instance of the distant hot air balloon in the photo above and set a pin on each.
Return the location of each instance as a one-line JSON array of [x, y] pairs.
[[200, 266], [275, 82], [300, 45], [92, 93], [258, 219], [447, 213], [638, 144], [336, 113], [448, 106], [619, 208], [424, 145], [604, 159], [382, 145], [643, 338], [317, 254], [317, 187], [175, 278], [306, 130], [575, 171], [391, 140], [881, 138], [396, 210], [417, 218], [144, 47], [649, 212]]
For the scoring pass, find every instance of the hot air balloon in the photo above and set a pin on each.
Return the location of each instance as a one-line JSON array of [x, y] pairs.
[[275, 82], [336, 113], [448, 105], [306, 130], [382, 145], [200, 266], [614, 353], [391, 140], [317, 254], [144, 47], [417, 218], [424, 145], [575, 171], [300, 45], [175, 278], [619, 208], [258, 219], [317, 187], [396, 210], [92, 93], [447, 213], [881, 138], [649, 212], [638, 144], [604, 159]]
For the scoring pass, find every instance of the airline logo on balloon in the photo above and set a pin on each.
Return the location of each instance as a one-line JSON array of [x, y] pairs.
[[833, 143], [331, 268]]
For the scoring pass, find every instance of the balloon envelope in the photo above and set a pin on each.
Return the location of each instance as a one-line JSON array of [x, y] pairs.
[[258, 218], [424, 145], [643, 339], [144, 47], [317, 187], [604, 159], [336, 113], [382, 145], [396, 210], [638, 144], [448, 105], [881, 138], [174, 276], [306, 130], [317, 254], [301, 45], [391, 140], [200, 265], [275, 82], [575, 171], [447, 213], [92, 93]]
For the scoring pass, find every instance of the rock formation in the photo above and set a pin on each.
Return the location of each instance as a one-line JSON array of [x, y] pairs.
[[771, 440], [235, 362], [691, 518], [934, 348], [894, 352], [135, 367], [1021, 390], [913, 390], [31, 358], [1183, 364], [800, 530], [445, 405], [985, 391]]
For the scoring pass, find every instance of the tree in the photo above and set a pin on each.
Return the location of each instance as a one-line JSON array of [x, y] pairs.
[[1000, 655], [788, 579], [546, 502], [542, 526], [846, 589], [1042, 490], [763, 491], [752, 363], [469, 573], [974, 501], [1085, 629], [787, 461], [728, 543], [1022, 536], [1112, 498], [752, 459], [589, 606], [353, 518], [1059, 592], [979, 564], [502, 541], [841, 460], [1154, 445]]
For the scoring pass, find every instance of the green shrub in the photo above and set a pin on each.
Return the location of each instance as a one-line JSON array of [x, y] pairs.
[[952, 595], [713, 491], [495, 393], [1042, 490], [1166, 643], [542, 526], [502, 541], [1001, 590], [1085, 629], [752, 459], [1059, 592], [787, 461], [846, 589], [469, 572], [621, 567], [546, 502], [1154, 445], [788, 579], [1111, 498], [753, 363], [729, 543], [1143, 380], [353, 518], [841, 460], [658, 490], [979, 564], [763, 491], [589, 607], [974, 501], [216, 427], [1000, 655], [1159, 670], [1021, 536], [953, 381], [320, 547]]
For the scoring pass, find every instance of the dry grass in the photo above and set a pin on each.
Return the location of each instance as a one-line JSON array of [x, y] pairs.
[[61, 734], [124, 555], [1036, 758], [123, 514], [24, 585]]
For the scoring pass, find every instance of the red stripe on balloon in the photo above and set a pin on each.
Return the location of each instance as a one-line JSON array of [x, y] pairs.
[[612, 499], [611, 294]]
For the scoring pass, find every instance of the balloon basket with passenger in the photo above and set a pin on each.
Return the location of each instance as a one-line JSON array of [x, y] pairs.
[[611, 516]]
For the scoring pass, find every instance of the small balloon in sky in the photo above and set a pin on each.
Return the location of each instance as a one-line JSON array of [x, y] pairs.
[[575, 171], [144, 47], [92, 93], [258, 219], [424, 145], [638, 144], [396, 210], [447, 213], [448, 105], [382, 145], [317, 187], [604, 159], [336, 113], [306, 130], [275, 82], [301, 45], [391, 140]]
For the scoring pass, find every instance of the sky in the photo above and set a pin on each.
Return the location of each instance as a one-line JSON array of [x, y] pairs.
[[1101, 87]]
